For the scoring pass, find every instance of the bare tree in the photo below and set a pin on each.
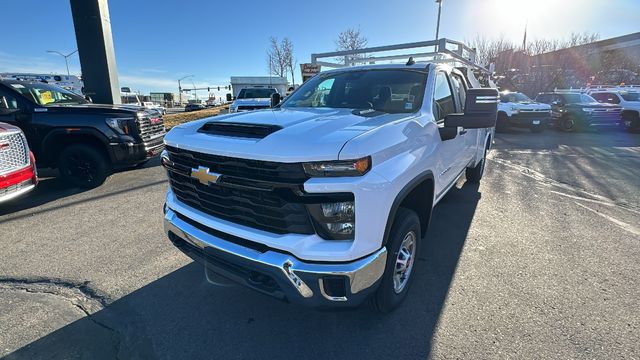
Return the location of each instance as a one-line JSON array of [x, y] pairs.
[[487, 50], [276, 58], [351, 39]]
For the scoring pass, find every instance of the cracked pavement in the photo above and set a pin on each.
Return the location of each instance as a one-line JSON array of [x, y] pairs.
[[539, 261]]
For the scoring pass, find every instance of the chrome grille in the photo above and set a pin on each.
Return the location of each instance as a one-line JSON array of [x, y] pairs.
[[150, 127], [14, 152]]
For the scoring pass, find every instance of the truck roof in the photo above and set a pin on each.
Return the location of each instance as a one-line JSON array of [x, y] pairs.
[[416, 66]]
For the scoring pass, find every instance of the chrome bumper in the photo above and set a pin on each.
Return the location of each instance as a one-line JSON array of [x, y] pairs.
[[299, 281]]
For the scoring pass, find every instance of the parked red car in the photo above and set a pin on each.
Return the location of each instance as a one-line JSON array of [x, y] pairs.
[[18, 174]]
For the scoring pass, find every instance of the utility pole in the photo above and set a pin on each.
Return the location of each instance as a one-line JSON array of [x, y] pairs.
[[180, 88], [438, 24], [66, 57]]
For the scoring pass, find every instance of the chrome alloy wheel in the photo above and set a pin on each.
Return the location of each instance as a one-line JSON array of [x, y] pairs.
[[404, 262]]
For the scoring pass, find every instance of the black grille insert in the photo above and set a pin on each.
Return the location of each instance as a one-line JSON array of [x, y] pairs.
[[278, 208], [253, 131]]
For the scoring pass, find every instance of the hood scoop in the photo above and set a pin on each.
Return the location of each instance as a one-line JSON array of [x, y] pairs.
[[241, 130]]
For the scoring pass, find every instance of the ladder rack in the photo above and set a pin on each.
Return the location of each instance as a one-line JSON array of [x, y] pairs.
[[442, 50]]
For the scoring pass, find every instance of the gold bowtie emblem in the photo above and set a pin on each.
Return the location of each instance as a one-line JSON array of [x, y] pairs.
[[204, 176]]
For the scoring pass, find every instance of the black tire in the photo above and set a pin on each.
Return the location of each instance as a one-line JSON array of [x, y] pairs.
[[83, 166], [502, 123], [567, 124], [536, 128], [474, 174], [387, 297], [631, 122]]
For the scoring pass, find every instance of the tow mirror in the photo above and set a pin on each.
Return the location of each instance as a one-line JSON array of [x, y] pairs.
[[481, 110], [275, 99]]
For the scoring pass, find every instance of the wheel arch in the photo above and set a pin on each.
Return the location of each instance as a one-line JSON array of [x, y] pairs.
[[418, 196], [59, 139]]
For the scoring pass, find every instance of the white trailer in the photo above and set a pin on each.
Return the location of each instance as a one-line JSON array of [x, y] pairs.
[[260, 82]]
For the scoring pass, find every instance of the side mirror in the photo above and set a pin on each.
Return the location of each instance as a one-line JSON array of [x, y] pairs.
[[229, 98], [481, 110], [555, 102], [88, 98], [275, 99]]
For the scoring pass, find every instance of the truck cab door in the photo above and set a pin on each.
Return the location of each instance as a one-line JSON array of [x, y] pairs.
[[450, 158]]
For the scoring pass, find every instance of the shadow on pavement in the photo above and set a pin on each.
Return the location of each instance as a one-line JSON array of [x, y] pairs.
[[182, 316], [52, 187]]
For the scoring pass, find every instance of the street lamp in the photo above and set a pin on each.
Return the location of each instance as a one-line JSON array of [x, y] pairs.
[[66, 57], [439, 2], [180, 87]]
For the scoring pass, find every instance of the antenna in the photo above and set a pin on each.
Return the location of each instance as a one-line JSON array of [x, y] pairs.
[[411, 61]]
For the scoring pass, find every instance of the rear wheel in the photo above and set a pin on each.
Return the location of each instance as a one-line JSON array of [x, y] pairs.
[[83, 166], [474, 174], [402, 250]]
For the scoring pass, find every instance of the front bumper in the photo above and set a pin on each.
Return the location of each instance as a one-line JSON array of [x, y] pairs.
[[18, 183], [130, 153], [275, 273], [529, 119]]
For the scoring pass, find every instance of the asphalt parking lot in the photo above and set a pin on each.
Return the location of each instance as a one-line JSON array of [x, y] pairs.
[[540, 261]]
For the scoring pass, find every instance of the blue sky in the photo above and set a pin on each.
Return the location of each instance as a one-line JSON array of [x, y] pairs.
[[157, 42]]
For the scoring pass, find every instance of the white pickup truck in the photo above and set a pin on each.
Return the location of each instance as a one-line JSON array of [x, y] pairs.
[[518, 110], [324, 200], [628, 97]]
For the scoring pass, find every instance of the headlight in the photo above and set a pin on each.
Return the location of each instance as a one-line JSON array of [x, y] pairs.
[[587, 110], [339, 168], [334, 220], [120, 125], [514, 109]]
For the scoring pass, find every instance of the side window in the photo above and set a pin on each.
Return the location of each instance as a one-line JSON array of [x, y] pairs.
[[459, 89], [609, 98], [8, 102], [443, 97]]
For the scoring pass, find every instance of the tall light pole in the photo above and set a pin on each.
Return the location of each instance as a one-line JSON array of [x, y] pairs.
[[439, 12], [66, 57], [180, 87]]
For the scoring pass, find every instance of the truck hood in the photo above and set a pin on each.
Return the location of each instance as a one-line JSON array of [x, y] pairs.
[[306, 134], [595, 105], [531, 106], [99, 109], [252, 102]]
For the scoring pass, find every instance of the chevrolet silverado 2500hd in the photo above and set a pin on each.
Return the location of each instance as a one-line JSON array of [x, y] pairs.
[[324, 200]]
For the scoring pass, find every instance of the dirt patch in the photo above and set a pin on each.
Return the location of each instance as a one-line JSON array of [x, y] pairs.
[[171, 120]]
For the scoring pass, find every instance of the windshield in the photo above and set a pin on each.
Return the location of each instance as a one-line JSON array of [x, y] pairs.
[[577, 98], [514, 97], [630, 96], [256, 93], [44, 94], [390, 91]]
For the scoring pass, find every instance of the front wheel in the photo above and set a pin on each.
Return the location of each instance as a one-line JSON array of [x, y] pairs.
[[83, 166], [631, 122], [402, 250], [567, 123]]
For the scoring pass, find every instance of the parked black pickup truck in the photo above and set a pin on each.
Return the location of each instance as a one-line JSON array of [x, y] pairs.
[[84, 141]]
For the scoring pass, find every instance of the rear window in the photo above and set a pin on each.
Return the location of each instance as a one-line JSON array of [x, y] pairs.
[[256, 93]]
